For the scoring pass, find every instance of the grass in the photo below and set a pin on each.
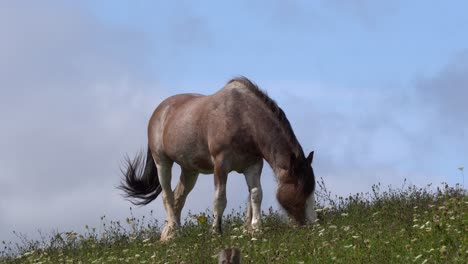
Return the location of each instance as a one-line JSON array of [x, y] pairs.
[[405, 225]]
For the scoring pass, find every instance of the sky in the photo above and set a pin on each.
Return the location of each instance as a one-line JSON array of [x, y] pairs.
[[377, 89]]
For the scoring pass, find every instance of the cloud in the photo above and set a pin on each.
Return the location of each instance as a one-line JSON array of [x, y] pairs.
[[447, 94], [363, 136], [76, 96], [442, 101]]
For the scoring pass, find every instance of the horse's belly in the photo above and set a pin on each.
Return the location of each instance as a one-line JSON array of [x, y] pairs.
[[196, 159]]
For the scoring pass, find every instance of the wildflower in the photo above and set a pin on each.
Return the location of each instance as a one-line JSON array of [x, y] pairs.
[[201, 219], [443, 249], [254, 239]]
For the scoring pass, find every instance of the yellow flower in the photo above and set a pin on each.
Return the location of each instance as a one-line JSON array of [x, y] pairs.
[[201, 219]]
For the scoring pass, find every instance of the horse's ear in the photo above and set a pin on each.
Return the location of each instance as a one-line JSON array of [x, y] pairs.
[[310, 158]]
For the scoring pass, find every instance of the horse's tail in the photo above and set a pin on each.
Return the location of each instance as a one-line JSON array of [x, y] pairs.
[[140, 184]]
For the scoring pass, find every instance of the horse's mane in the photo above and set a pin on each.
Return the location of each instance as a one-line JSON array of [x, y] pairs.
[[275, 109]]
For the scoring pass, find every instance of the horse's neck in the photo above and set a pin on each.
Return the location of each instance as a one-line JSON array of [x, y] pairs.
[[277, 149]]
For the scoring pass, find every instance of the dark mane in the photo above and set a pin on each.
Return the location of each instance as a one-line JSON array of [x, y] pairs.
[[276, 110]]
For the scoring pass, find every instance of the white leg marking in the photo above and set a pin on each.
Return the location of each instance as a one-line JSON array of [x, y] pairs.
[[311, 215], [164, 175], [256, 200], [252, 176], [219, 205], [248, 213]]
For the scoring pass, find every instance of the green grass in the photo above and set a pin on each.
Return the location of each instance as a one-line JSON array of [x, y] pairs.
[[407, 225]]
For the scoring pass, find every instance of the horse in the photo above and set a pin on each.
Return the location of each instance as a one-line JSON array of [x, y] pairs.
[[234, 129]]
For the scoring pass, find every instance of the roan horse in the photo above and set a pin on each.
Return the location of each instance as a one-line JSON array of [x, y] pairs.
[[231, 130]]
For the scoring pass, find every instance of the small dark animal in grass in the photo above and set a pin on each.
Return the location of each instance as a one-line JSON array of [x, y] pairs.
[[229, 256], [234, 129]]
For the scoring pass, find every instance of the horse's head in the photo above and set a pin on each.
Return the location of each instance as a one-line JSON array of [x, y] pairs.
[[295, 192]]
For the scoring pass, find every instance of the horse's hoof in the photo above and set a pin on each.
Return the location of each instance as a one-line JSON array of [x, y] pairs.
[[167, 233]]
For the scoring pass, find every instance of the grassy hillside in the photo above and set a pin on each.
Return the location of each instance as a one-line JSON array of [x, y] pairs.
[[410, 225]]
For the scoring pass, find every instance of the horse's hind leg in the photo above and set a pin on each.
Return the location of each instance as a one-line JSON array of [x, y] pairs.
[[164, 175], [252, 176], [183, 188]]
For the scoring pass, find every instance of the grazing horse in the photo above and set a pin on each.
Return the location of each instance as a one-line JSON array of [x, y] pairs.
[[233, 129]]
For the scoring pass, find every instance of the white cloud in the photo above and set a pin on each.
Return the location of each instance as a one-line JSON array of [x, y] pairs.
[[76, 96]]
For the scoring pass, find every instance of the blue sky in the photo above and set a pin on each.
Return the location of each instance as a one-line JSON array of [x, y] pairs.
[[377, 88], [329, 41]]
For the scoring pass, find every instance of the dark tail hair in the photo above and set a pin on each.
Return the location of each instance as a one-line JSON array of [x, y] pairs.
[[140, 184]]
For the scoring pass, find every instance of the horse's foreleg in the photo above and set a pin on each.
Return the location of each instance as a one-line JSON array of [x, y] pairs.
[[183, 188], [220, 201], [254, 206], [164, 175], [248, 212]]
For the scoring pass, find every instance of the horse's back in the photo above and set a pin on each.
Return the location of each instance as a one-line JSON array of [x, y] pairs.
[[191, 129], [173, 124]]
